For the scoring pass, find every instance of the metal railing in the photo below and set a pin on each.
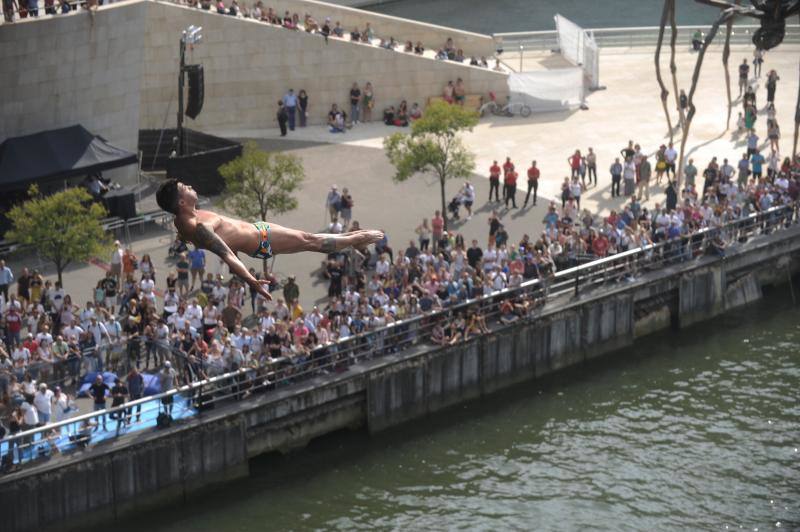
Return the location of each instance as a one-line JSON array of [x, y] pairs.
[[450, 325], [528, 41]]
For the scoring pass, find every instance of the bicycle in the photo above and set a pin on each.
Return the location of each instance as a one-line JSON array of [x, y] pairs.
[[509, 110]]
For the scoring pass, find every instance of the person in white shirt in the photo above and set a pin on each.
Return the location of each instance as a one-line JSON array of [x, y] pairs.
[[44, 335], [56, 296], [30, 416], [194, 313], [86, 314], [43, 401], [72, 332], [148, 286], [61, 405], [98, 332], [21, 356], [670, 156], [171, 302], [116, 261]]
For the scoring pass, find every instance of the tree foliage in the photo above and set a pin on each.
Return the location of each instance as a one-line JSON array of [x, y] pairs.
[[434, 146], [65, 227], [260, 183]]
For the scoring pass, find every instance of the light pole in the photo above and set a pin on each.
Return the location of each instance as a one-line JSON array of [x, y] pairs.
[[191, 36]]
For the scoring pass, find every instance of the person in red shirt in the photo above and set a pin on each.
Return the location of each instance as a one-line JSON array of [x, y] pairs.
[[574, 161], [600, 245], [511, 188], [508, 166], [437, 230], [494, 181], [533, 184]]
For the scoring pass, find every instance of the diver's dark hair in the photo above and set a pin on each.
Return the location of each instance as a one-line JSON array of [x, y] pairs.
[[167, 196]]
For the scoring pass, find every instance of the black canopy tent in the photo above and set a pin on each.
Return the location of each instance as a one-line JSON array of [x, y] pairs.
[[57, 155]]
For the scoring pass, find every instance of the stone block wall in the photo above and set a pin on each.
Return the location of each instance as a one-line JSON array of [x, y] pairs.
[[250, 65], [61, 71]]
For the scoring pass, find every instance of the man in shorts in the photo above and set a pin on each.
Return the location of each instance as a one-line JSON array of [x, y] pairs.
[[197, 257], [183, 274], [226, 236]]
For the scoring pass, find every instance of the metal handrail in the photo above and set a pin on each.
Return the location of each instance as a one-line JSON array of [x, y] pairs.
[[404, 333]]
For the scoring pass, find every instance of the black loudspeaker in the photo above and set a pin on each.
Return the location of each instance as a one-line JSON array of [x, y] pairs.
[[195, 103]]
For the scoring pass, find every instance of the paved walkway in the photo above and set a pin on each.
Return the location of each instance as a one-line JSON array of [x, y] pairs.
[[628, 109]]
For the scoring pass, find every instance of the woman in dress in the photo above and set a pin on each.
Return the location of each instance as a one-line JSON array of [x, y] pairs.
[[302, 102], [368, 102]]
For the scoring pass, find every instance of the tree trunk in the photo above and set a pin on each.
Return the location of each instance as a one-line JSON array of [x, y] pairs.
[[444, 204], [664, 91], [726, 53], [674, 69]]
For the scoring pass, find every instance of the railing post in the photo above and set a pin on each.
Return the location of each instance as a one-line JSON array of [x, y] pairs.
[[577, 280]]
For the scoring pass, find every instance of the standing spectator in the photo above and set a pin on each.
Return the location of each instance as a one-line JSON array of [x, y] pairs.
[[368, 102], [772, 84], [670, 157], [302, 103], [616, 177], [334, 272], [291, 292], [574, 162], [355, 102], [166, 378], [129, 263], [690, 173], [98, 391], [424, 233], [183, 274], [110, 287], [23, 286], [9, 7], [198, 265], [6, 278], [43, 401], [757, 160], [437, 230], [629, 176], [346, 208], [591, 165], [533, 184], [575, 190], [645, 171], [494, 181], [135, 391], [283, 117], [333, 203], [744, 70], [510, 183], [116, 261], [290, 102], [758, 59], [119, 393], [468, 198]]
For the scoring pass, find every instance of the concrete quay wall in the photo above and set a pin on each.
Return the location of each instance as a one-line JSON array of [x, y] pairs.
[[432, 36], [141, 470]]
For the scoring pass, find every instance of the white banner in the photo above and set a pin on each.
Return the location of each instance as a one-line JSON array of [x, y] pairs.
[[547, 90]]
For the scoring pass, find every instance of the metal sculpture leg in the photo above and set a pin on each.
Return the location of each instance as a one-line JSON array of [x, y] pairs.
[[664, 91], [796, 123], [723, 17], [672, 67]]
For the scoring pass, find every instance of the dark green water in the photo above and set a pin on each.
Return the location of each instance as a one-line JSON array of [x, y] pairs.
[[697, 430], [500, 16]]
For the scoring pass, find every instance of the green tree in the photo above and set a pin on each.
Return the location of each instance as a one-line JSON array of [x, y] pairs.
[[258, 183], [434, 146], [65, 227]]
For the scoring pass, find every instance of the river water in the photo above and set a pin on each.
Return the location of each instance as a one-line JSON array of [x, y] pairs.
[[500, 16], [696, 430]]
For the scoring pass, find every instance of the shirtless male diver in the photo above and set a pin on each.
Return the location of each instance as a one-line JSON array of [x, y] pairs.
[[227, 236]]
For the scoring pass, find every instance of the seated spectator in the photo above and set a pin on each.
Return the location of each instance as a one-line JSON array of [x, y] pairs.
[[338, 30], [497, 67], [310, 24], [507, 314], [355, 35], [473, 61], [459, 56], [448, 92], [221, 7], [418, 48], [388, 115], [449, 49], [483, 62], [256, 12], [367, 35], [441, 55], [401, 117], [415, 113], [326, 28], [459, 92], [234, 9], [409, 47], [336, 119]]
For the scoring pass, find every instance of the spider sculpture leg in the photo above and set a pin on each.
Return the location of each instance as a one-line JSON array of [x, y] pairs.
[[672, 68], [664, 91], [796, 123], [723, 17]]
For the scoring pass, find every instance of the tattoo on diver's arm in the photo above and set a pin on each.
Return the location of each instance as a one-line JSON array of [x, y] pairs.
[[328, 245], [208, 239]]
